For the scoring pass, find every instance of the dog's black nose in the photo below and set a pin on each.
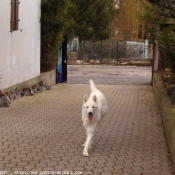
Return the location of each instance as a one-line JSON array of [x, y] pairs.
[[90, 113]]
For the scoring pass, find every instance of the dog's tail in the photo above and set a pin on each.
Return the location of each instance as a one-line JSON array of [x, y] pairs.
[[92, 86]]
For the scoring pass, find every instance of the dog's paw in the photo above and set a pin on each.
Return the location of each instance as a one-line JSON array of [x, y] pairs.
[[85, 153]]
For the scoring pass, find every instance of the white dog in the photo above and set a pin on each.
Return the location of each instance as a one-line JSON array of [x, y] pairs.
[[93, 110]]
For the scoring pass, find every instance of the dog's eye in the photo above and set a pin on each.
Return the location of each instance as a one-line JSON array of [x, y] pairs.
[[92, 106], [87, 106]]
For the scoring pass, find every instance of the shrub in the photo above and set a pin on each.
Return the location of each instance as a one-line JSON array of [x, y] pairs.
[[166, 41]]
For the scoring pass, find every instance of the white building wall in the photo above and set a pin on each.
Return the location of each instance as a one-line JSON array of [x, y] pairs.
[[138, 50], [19, 50]]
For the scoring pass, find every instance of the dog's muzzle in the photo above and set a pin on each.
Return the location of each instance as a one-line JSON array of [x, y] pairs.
[[90, 115]]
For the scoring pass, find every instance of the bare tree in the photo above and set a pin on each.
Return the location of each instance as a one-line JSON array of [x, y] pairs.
[[127, 22]]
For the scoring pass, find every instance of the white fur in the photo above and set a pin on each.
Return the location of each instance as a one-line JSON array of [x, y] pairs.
[[93, 110]]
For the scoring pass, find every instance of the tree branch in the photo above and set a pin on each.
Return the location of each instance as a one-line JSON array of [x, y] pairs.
[[167, 7]]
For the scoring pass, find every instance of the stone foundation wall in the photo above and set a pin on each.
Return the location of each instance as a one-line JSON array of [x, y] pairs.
[[167, 111], [47, 77]]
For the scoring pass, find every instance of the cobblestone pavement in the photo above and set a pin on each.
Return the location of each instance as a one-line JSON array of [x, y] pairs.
[[44, 133]]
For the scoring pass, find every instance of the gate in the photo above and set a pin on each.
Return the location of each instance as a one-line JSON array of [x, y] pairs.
[[112, 52]]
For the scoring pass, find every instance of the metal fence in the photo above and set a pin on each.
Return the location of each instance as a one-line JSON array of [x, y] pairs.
[[111, 51]]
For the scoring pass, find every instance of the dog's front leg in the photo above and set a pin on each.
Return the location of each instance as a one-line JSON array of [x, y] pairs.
[[87, 144]]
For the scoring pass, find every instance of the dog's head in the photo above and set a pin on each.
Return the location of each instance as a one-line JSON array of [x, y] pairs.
[[90, 106]]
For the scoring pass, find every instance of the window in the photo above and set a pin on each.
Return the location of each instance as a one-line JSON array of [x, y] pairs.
[[14, 15]]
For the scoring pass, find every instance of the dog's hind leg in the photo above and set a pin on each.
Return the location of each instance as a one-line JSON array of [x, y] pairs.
[[84, 145], [96, 129], [85, 141], [87, 144]]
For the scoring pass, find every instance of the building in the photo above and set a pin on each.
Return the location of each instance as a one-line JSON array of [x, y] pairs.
[[19, 41]]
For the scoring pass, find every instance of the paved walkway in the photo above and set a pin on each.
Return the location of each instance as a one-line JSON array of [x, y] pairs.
[[44, 133]]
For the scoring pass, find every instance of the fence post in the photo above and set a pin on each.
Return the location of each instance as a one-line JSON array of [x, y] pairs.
[[101, 52]]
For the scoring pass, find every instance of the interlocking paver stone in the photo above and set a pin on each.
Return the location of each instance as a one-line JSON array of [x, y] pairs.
[[44, 132]]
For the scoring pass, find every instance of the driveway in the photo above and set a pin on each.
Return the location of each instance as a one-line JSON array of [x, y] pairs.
[[111, 75], [43, 134]]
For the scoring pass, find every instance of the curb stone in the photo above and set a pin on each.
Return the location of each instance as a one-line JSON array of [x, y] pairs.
[[167, 111]]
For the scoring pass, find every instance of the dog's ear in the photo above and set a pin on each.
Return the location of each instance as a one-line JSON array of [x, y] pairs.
[[95, 98], [85, 99]]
